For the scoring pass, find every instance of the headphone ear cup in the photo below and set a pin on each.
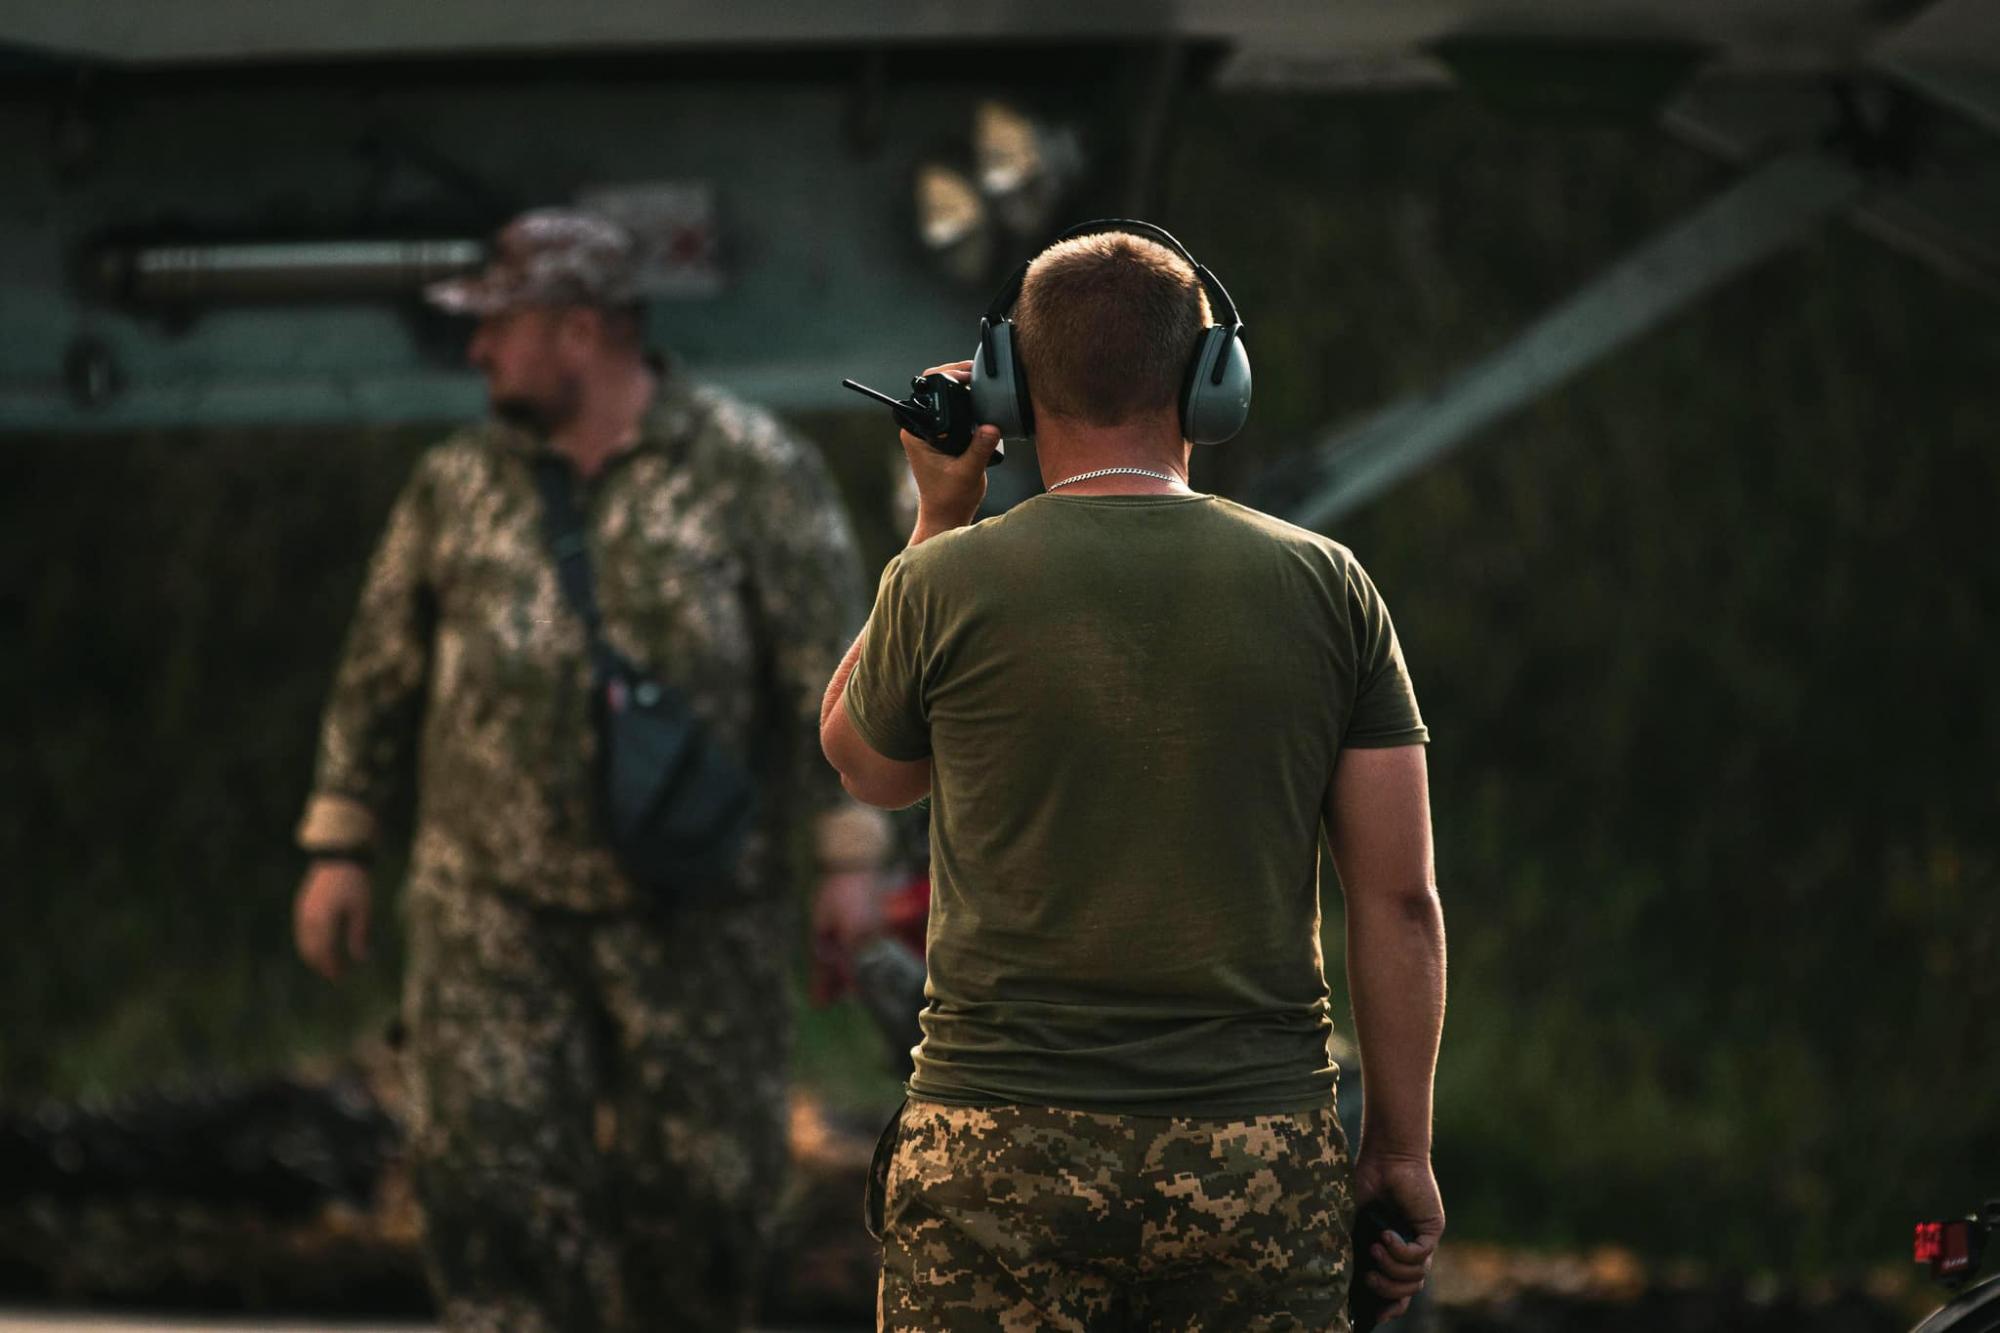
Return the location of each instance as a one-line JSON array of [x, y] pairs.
[[1000, 394], [1213, 409]]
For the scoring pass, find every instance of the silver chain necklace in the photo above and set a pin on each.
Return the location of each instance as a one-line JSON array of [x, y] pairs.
[[1108, 471]]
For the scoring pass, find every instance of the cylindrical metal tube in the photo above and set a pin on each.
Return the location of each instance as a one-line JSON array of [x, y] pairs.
[[279, 270]]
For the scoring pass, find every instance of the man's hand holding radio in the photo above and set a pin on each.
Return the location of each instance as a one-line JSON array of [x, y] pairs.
[[949, 488]]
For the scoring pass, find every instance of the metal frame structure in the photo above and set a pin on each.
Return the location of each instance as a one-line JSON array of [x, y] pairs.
[[1761, 100]]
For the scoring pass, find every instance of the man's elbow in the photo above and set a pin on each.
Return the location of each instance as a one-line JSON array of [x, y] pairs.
[[1414, 904], [885, 791], [829, 745]]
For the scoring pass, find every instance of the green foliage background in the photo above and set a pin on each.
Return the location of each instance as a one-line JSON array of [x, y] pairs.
[[1702, 639]]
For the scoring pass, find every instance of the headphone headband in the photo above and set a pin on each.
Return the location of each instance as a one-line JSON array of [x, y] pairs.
[[1010, 291]]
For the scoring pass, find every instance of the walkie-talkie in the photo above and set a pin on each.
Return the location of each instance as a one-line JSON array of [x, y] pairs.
[[938, 411]]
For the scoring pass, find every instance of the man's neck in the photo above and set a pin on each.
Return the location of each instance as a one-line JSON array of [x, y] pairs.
[[1067, 449], [608, 421]]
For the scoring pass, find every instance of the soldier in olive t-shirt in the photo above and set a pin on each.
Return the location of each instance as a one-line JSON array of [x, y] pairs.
[[1133, 708], [1133, 705]]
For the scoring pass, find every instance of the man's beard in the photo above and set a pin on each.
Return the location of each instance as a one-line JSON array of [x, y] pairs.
[[540, 416]]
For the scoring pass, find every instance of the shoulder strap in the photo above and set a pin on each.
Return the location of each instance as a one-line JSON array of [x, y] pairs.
[[562, 533]]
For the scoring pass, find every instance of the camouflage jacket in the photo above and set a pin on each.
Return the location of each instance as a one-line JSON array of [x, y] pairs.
[[723, 562]]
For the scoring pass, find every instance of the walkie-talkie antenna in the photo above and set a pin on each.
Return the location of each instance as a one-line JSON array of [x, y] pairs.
[[910, 414], [876, 394]]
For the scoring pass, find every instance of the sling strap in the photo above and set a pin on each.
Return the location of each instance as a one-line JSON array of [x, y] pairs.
[[562, 533]]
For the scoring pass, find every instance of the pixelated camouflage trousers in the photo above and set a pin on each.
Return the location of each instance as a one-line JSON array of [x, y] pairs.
[[1028, 1218], [597, 1119]]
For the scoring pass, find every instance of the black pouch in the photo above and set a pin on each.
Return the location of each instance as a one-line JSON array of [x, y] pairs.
[[675, 804], [876, 1192]]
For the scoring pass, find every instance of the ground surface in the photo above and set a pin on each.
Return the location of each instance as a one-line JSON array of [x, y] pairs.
[[30, 1321]]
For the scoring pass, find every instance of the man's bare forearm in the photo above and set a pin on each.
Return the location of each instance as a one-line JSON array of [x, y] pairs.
[[1396, 973]]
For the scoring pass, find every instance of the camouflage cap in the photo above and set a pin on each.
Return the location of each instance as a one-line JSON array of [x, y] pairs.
[[550, 256]]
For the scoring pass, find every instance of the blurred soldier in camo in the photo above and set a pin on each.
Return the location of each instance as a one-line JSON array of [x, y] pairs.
[[597, 1081]]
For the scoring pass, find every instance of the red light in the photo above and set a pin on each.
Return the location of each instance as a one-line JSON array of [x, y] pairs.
[[1929, 1244]]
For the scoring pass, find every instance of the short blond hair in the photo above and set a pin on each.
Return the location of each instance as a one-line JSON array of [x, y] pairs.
[[1105, 327]]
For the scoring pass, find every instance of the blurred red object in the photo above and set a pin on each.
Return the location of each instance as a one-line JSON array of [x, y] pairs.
[[1951, 1249], [906, 915], [906, 910]]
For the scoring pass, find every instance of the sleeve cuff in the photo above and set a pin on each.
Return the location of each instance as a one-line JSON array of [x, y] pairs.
[[1388, 740], [336, 822], [903, 751]]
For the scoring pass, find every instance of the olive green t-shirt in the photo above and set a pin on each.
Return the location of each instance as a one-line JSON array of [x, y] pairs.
[[1133, 706]]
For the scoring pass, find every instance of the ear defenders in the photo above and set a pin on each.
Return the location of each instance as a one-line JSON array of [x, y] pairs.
[[1215, 390]]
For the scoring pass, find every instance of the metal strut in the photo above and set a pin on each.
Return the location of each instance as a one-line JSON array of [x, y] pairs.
[[1766, 211]]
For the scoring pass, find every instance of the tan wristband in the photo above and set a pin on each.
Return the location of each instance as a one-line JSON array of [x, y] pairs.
[[336, 822]]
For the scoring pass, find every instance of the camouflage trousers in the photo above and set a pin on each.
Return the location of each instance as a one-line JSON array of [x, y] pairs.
[[597, 1110], [1029, 1218]]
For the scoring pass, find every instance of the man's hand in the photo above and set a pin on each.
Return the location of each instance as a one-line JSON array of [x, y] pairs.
[[949, 489], [846, 913], [331, 911], [1407, 1184]]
